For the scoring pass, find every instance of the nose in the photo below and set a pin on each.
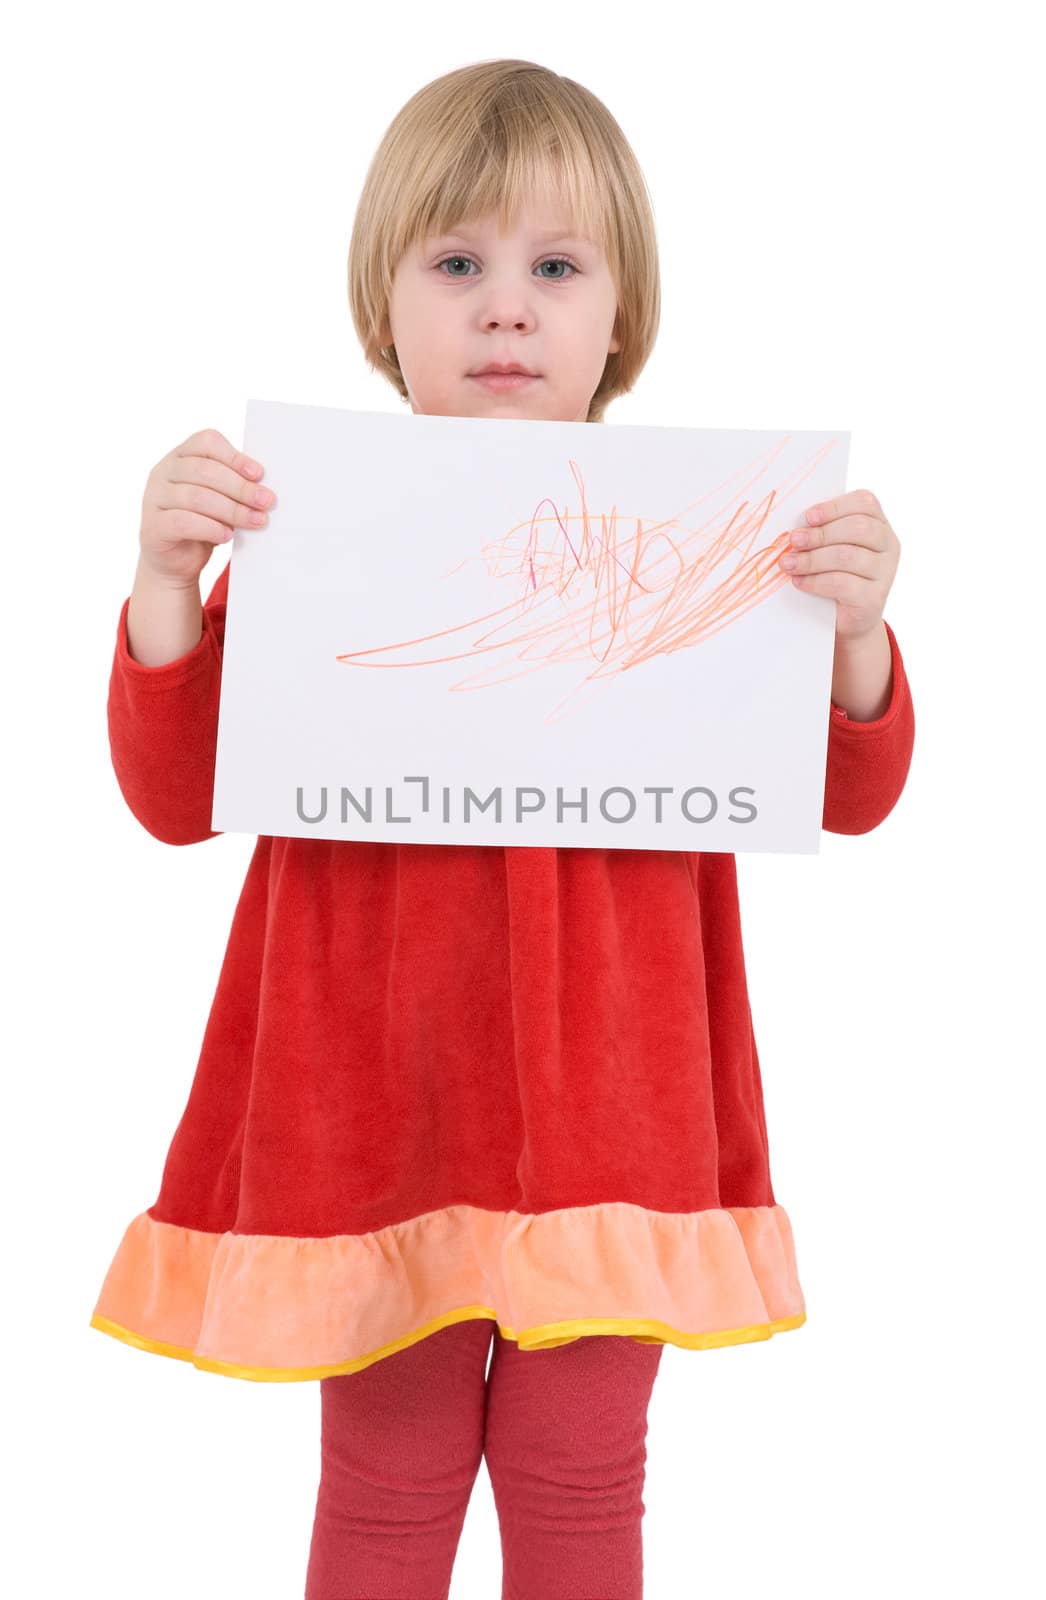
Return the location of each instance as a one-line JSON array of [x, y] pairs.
[[509, 306]]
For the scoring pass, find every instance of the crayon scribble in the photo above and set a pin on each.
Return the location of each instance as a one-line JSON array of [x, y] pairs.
[[611, 598]]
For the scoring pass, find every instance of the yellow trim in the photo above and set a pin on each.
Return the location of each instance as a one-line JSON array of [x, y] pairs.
[[549, 1337]]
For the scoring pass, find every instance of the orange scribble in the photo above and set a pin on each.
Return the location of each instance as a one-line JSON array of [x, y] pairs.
[[612, 597]]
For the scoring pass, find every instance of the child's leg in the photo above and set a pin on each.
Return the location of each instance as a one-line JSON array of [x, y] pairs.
[[565, 1448], [401, 1443]]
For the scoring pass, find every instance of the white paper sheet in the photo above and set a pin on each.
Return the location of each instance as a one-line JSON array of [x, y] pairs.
[[461, 630]]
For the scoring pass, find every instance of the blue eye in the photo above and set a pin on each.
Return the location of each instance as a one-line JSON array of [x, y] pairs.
[[559, 260]]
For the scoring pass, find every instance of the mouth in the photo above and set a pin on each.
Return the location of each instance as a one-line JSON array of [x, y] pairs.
[[503, 382]]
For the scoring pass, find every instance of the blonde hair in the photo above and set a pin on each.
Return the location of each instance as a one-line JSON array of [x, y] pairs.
[[485, 138]]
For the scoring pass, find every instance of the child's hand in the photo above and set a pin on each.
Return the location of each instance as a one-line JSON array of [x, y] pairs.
[[194, 499], [850, 553]]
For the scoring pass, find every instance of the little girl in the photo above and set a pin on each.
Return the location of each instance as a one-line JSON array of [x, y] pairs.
[[457, 1097]]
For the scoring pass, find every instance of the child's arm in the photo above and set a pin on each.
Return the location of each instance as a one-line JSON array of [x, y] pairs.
[[868, 762], [164, 619], [163, 723]]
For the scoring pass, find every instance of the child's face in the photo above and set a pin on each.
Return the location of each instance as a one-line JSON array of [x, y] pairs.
[[472, 296]]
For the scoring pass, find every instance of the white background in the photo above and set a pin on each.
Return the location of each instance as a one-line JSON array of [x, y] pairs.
[[847, 199]]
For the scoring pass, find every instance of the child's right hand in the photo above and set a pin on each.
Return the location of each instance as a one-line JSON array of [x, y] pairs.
[[194, 499]]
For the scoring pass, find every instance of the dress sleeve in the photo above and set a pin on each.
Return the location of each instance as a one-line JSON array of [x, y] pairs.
[[163, 728], [868, 762]]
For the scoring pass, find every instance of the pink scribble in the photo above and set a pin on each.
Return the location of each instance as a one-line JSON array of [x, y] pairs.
[[610, 597]]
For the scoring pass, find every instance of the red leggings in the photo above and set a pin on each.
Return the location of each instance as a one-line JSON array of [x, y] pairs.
[[563, 1432]]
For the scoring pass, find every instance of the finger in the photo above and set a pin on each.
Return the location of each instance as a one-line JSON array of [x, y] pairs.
[[214, 478], [858, 529], [835, 558], [209, 442], [188, 495], [842, 586], [179, 523], [859, 500]]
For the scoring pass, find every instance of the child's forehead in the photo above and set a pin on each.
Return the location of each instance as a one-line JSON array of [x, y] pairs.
[[534, 222], [541, 215], [489, 227]]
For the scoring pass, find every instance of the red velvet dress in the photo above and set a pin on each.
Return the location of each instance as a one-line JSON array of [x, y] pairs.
[[441, 1082]]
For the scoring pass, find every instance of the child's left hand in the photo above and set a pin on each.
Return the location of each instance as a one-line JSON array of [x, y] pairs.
[[848, 552]]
